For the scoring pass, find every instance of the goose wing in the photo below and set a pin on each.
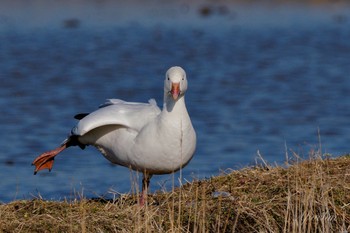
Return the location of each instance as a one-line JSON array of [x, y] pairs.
[[118, 112]]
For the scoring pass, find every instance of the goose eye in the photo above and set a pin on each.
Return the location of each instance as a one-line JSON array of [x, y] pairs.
[[168, 78]]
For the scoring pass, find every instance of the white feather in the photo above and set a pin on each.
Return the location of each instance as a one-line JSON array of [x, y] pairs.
[[140, 135]]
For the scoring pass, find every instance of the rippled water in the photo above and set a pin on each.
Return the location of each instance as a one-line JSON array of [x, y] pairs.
[[261, 78]]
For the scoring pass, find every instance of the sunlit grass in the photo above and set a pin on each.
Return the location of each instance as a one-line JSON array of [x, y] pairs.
[[303, 196]]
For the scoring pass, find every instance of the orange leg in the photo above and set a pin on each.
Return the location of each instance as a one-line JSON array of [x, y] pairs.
[[145, 185], [45, 160]]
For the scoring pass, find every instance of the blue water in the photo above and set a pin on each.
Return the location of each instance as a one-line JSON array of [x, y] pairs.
[[261, 78]]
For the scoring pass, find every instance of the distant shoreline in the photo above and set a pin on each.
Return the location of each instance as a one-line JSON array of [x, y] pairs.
[[97, 14]]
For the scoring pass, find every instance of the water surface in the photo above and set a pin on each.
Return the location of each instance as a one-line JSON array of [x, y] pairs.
[[267, 78]]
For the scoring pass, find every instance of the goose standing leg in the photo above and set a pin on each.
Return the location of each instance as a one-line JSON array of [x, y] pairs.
[[145, 185]]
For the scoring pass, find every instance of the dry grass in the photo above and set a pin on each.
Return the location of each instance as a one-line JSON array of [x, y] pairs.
[[307, 196]]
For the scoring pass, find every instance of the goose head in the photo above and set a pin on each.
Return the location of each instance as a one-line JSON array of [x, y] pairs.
[[175, 83]]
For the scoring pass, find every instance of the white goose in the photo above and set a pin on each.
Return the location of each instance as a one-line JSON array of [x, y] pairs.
[[137, 135]]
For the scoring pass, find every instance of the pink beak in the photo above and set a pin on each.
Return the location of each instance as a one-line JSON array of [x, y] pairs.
[[175, 90]]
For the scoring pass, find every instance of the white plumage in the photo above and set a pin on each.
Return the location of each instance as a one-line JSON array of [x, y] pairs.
[[138, 135]]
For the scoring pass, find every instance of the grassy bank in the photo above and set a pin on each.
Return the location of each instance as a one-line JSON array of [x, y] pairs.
[[306, 196]]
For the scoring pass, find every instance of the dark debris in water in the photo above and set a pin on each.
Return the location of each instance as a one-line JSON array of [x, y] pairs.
[[71, 23], [9, 162], [340, 18], [209, 10]]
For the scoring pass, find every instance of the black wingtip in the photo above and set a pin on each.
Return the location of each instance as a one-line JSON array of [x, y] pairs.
[[80, 116]]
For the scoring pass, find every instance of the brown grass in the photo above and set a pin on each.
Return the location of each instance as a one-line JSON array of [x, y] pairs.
[[306, 196]]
